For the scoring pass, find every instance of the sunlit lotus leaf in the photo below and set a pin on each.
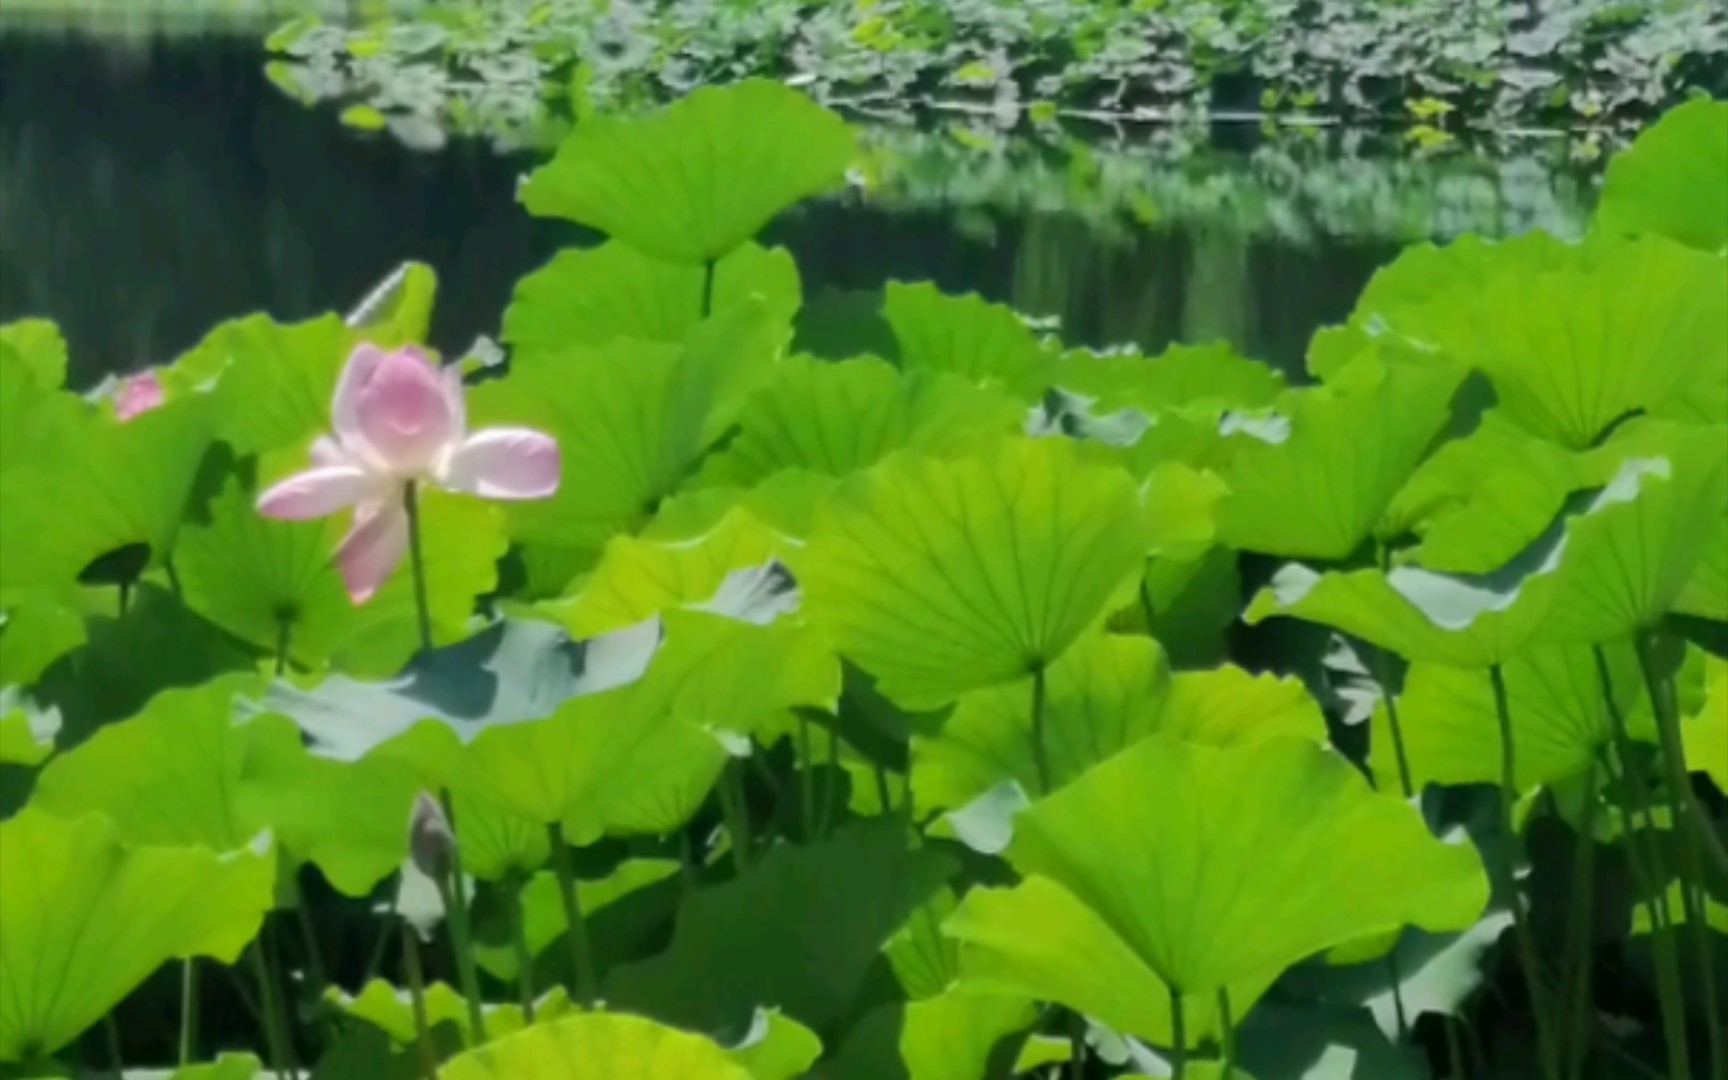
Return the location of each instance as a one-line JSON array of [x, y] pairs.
[[167, 777], [1617, 565], [638, 577], [1228, 706], [1576, 337], [39, 347], [777, 1048], [274, 583], [692, 183], [940, 577], [1212, 376], [83, 920], [1706, 591], [1105, 694], [1351, 446], [37, 627], [925, 960], [1038, 940], [1560, 718], [1706, 732], [632, 419], [588, 296], [1176, 865], [108, 485], [966, 336], [751, 941], [26, 737], [1481, 499], [391, 1010], [1630, 558], [1674, 179], [642, 758], [225, 1067], [398, 310], [543, 907], [600, 1046], [838, 417], [274, 381], [948, 1037]]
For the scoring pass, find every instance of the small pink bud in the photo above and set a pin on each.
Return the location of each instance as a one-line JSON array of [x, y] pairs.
[[431, 840], [138, 395]]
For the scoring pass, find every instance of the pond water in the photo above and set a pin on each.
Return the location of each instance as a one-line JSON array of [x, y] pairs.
[[151, 186]]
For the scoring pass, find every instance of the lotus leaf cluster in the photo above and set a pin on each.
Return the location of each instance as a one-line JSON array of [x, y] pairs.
[[669, 701]]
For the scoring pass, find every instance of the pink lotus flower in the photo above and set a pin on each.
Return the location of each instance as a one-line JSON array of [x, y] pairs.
[[399, 421], [138, 395]]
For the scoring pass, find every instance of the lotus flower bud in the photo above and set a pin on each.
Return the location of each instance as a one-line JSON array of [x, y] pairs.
[[431, 840]]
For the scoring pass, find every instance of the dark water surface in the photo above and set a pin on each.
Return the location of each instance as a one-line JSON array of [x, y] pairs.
[[150, 188]]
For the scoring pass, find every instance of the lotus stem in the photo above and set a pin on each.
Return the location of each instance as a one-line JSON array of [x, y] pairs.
[[1077, 1044], [417, 558], [1694, 826], [1454, 1052], [524, 956], [1040, 752], [1228, 1025], [1400, 1015], [806, 781], [1178, 1037], [1648, 878], [276, 1032], [831, 783], [417, 999], [284, 632], [708, 288], [111, 1034], [1147, 609], [453, 893], [734, 809], [1528, 958], [1575, 981], [581, 951], [188, 1011], [314, 955]]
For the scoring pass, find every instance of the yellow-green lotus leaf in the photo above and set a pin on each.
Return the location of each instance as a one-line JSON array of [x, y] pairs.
[[597, 1046]]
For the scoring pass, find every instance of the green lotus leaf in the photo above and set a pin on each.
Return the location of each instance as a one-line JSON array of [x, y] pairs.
[[1706, 592], [948, 1037], [640, 577], [836, 418], [391, 1010], [1040, 941], [543, 906], [940, 577], [37, 627], [1247, 860], [1231, 707], [398, 310], [641, 758], [26, 737], [39, 347], [1630, 557], [596, 1046], [1706, 732], [693, 182], [1555, 698], [1576, 337], [274, 382], [1350, 447], [967, 336], [167, 777], [225, 1067], [632, 419], [107, 485], [751, 942], [588, 296], [274, 582], [1194, 602], [779, 1048], [1105, 694], [925, 960], [1306, 1041], [84, 919], [1211, 376], [1673, 181], [1480, 500]]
